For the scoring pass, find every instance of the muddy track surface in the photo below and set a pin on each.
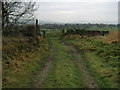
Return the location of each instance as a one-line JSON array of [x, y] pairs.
[[42, 74], [88, 80]]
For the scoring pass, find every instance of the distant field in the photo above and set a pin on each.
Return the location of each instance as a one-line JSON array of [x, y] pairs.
[[104, 28], [99, 27]]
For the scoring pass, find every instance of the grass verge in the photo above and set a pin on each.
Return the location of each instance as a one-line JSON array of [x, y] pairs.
[[100, 58], [21, 64]]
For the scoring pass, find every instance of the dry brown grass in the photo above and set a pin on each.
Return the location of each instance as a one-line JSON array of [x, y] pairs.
[[111, 37], [20, 59]]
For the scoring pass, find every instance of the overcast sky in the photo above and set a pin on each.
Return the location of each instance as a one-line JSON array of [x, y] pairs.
[[83, 11]]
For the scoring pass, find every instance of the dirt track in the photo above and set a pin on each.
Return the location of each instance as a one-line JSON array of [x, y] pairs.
[[42, 74], [87, 79]]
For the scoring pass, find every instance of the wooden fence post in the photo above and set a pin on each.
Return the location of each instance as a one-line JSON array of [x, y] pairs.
[[34, 35], [43, 34], [37, 28], [63, 32]]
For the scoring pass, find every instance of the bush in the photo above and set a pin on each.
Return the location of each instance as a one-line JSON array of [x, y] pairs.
[[28, 30]]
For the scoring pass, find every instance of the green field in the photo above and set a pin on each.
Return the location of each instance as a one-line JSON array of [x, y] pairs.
[[61, 62]]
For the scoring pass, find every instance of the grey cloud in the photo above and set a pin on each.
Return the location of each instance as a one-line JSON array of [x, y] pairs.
[[78, 11]]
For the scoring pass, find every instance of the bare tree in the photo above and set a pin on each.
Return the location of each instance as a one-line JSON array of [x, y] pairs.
[[16, 13], [0, 15]]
